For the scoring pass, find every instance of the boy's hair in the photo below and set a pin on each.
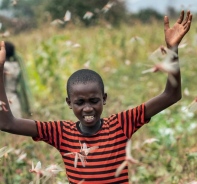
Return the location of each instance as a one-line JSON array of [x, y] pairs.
[[84, 76], [10, 50]]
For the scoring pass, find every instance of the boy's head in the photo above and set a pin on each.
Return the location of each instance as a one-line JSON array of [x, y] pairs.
[[86, 96], [84, 76]]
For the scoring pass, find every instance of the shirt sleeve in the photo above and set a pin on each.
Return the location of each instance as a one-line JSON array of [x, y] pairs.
[[49, 132], [131, 120]]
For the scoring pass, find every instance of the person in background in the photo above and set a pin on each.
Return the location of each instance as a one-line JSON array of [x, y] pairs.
[[15, 84], [11, 77]]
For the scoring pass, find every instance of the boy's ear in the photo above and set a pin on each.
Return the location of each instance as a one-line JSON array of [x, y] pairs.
[[68, 102], [104, 98]]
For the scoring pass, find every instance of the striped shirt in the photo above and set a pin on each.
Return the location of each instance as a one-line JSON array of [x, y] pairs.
[[109, 146]]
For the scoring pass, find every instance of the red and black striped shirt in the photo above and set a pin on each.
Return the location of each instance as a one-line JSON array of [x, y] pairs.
[[111, 139]]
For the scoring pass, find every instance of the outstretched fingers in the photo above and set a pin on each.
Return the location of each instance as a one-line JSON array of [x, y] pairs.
[[2, 52], [166, 23], [187, 18], [2, 45], [188, 24], [180, 20]]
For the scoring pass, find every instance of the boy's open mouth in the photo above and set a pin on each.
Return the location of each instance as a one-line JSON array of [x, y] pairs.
[[88, 118]]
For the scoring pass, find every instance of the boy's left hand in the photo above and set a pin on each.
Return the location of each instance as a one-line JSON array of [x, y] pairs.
[[2, 53], [174, 35]]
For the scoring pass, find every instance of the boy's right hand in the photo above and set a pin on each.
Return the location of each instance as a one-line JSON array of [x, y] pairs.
[[2, 53]]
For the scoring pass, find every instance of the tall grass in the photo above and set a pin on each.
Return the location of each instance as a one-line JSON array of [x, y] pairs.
[[51, 56]]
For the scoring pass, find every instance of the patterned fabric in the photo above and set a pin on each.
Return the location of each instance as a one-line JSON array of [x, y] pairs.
[[109, 146]]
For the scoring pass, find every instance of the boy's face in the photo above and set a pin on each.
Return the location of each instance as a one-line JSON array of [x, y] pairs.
[[87, 102]]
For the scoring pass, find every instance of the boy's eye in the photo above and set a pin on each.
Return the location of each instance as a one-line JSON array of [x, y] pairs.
[[94, 100], [80, 102]]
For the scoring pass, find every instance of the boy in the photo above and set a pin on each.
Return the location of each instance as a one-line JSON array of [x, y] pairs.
[[99, 143]]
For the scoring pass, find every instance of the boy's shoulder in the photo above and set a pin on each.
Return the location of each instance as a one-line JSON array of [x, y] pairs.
[[68, 123]]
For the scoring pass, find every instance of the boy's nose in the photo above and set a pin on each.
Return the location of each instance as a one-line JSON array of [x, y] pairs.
[[87, 108]]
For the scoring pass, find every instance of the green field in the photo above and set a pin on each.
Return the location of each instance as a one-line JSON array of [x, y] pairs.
[[51, 54]]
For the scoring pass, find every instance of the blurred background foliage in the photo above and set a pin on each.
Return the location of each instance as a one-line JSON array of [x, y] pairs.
[[106, 44], [28, 14]]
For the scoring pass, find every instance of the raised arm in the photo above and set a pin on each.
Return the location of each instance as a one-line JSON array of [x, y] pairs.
[[172, 93], [8, 122]]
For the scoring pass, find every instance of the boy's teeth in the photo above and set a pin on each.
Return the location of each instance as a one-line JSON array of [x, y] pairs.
[[88, 117]]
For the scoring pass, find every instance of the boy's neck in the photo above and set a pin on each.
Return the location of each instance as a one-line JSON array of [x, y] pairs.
[[90, 130]]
